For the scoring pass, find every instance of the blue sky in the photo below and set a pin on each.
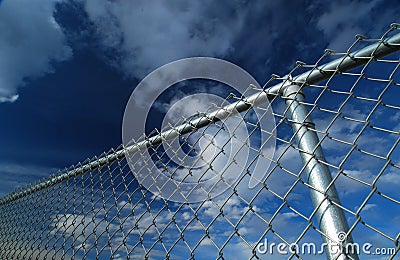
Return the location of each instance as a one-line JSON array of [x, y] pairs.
[[67, 70]]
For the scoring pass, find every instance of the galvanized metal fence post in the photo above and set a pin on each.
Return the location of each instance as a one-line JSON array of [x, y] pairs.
[[331, 218]]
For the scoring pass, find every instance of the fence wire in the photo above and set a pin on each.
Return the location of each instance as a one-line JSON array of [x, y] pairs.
[[98, 210]]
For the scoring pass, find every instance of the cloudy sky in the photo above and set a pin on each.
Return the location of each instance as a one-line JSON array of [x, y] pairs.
[[68, 67]]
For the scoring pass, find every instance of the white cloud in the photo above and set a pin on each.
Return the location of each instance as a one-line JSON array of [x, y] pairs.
[[395, 117], [30, 40], [186, 215], [10, 99], [206, 242], [19, 175], [391, 178], [231, 207], [369, 206], [289, 215], [342, 21], [20, 169]]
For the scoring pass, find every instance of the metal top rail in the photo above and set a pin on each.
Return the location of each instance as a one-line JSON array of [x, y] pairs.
[[348, 61]]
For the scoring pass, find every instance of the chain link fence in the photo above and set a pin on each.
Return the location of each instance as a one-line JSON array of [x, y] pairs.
[[337, 133]]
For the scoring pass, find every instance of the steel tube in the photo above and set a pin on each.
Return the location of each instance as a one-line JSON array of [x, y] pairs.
[[331, 218], [348, 62]]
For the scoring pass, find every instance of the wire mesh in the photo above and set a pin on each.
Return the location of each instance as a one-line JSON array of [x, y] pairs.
[[102, 212]]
